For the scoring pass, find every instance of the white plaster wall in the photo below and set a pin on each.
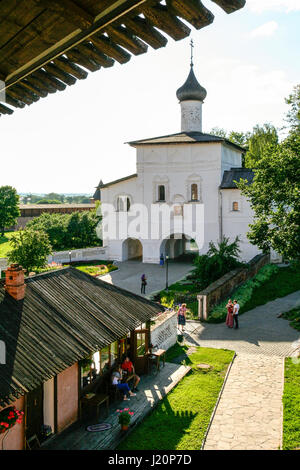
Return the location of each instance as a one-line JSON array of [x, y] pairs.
[[191, 116], [231, 158], [176, 166], [237, 222], [164, 334]]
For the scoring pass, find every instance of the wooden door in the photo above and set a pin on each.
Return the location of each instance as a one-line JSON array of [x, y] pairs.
[[141, 346], [34, 412]]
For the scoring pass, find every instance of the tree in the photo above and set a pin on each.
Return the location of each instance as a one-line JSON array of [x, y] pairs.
[[293, 115], [219, 260], [260, 138], [274, 198], [9, 207], [30, 249]]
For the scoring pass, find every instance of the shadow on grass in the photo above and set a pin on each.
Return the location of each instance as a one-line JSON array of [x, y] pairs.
[[173, 425]]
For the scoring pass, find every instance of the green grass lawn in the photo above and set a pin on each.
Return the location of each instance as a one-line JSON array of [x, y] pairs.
[[291, 405], [96, 268], [180, 420], [5, 244]]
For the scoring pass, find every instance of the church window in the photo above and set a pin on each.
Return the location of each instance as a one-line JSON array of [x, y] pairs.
[[161, 192], [235, 206], [123, 204], [194, 192]]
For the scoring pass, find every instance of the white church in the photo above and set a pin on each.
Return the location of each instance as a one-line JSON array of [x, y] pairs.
[[182, 195]]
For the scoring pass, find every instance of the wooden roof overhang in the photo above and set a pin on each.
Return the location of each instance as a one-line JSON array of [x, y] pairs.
[[46, 45]]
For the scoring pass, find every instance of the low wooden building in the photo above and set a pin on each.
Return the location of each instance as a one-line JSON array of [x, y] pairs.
[[63, 332]]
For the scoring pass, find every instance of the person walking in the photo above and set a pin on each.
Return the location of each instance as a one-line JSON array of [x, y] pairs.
[[229, 318], [161, 260], [236, 308], [144, 283], [181, 317]]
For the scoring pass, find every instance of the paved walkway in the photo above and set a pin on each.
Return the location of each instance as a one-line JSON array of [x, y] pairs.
[[249, 414], [129, 274]]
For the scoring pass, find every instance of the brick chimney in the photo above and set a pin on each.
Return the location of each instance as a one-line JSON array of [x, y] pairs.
[[14, 281]]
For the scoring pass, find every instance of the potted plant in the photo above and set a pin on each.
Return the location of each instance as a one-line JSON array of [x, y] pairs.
[[9, 417], [124, 418]]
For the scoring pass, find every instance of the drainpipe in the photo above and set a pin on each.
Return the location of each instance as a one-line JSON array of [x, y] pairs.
[[220, 214]]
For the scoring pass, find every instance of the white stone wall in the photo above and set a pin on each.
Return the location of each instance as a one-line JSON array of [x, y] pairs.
[[177, 166], [237, 222], [164, 333], [85, 254], [191, 116]]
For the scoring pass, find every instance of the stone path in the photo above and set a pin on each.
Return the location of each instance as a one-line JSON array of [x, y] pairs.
[[129, 274], [249, 414]]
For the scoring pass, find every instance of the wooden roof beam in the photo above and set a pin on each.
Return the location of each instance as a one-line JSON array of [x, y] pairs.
[[110, 48], [144, 30], [230, 5], [71, 12], [50, 80], [13, 101], [20, 93], [60, 74], [71, 68], [35, 82], [76, 56], [192, 11], [5, 109], [125, 38], [95, 54], [37, 90], [160, 16]]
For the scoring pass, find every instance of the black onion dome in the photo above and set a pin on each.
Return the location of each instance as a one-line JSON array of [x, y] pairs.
[[191, 90]]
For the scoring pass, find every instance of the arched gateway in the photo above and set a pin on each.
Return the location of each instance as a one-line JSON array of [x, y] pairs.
[[132, 248]]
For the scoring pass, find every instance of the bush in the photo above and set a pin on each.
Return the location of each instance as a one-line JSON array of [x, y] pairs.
[[218, 261], [243, 293]]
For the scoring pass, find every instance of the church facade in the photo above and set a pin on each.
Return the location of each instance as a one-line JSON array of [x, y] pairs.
[[183, 194]]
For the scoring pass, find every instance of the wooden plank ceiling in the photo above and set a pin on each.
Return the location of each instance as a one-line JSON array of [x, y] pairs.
[[46, 45]]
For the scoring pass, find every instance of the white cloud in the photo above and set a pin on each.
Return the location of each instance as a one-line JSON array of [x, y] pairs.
[[265, 30], [259, 6]]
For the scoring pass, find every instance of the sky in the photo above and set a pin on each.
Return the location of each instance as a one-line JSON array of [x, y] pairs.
[[248, 62]]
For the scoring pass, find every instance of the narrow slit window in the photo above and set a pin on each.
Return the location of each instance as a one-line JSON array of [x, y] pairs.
[[161, 193], [194, 192]]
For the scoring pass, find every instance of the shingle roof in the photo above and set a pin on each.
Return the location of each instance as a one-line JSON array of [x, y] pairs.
[[65, 316], [235, 174], [184, 138]]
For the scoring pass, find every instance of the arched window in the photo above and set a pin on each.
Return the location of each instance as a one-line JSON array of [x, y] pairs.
[[235, 206], [123, 204], [194, 192], [161, 192]]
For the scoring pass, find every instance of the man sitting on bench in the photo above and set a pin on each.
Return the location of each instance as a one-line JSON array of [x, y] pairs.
[[128, 367]]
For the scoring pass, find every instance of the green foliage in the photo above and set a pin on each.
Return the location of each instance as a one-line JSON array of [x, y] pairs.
[[294, 318], [219, 260], [30, 249], [274, 198], [66, 231], [291, 404], [9, 207], [269, 284], [182, 417], [293, 115], [261, 138], [48, 201]]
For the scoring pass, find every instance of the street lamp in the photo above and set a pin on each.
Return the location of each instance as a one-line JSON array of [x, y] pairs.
[[167, 272], [70, 255]]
